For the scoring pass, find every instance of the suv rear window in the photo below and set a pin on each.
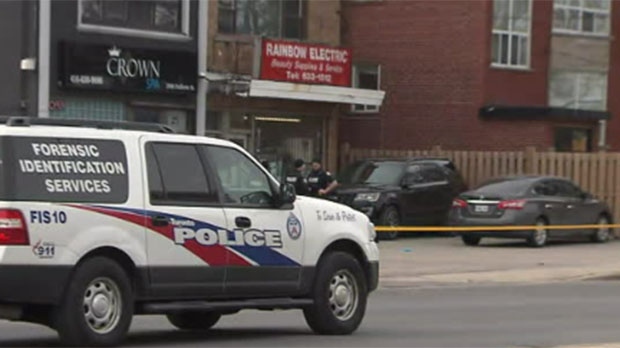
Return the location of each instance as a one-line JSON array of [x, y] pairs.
[[63, 170]]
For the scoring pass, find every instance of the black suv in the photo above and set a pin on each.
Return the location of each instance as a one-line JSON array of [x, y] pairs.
[[396, 192]]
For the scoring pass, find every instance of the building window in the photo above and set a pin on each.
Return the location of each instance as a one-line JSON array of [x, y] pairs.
[[366, 77], [581, 16], [511, 33], [270, 18], [578, 90], [138, 18], [569, 139]]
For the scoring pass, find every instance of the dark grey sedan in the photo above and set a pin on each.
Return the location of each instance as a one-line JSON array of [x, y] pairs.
[[528, 201]]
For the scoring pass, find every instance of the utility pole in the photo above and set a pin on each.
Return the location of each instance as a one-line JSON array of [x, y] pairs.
[[203, 42], [45, 14]]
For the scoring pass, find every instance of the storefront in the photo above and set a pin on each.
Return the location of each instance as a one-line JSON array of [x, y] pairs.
[[291, 103], [125, 83]]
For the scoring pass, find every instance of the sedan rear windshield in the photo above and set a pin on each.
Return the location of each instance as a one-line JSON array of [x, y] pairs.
[[505, 187]]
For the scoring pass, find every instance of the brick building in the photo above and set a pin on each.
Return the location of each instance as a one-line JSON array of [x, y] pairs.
[[486, 74], [277, 77]]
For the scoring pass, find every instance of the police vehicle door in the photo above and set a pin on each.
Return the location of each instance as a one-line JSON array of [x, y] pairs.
[[267, 241], [183, 218]]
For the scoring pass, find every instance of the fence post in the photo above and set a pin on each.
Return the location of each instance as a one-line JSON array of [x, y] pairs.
[[531, 165], [436, 151]]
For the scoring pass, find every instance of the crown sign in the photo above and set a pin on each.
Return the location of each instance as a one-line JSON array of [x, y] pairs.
[[114, 52]]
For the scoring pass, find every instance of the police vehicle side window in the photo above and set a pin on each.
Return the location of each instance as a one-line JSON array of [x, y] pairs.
[[242, 181], [176, 174]]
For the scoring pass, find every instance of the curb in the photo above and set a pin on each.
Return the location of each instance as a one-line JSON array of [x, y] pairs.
[[527, 276]]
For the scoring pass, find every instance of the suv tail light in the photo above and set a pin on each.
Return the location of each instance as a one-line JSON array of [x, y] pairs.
[[459, 203], [512, 204], [13, 229]]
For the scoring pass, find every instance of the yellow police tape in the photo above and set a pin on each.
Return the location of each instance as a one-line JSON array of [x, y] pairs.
[[486, 228]]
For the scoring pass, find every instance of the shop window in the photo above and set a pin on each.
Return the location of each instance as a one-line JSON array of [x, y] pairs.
[[578, 90], [133, 17], [511, 33], [366, 77], [590, 17], [270, 18], [569, 139], [175, 119]]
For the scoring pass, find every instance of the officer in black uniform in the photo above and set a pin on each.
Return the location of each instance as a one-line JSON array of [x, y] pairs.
[[320, 182], [297, 179]]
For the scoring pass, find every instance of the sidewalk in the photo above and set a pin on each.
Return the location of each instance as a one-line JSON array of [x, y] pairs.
[[414, 262]]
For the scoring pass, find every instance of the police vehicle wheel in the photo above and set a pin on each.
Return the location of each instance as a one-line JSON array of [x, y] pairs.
[[194, 320], [339, 294], [97, 306]]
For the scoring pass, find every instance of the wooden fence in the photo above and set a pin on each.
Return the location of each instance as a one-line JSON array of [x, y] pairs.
[[598, 173]]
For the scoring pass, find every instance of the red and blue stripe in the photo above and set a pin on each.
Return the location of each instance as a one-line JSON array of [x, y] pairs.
[[214, 255]]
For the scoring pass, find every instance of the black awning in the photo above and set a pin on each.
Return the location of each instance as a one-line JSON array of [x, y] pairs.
[[541, 113]]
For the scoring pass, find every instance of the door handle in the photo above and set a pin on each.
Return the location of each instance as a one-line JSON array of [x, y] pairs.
[[549, 206], [570, 206], [160, 221], [242, 221]]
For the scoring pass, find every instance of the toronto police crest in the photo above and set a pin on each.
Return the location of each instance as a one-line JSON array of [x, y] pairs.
[[293, 226]]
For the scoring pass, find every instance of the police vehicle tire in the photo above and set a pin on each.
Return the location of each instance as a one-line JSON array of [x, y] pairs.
[[340, 286], [194, 320], [97, 307]]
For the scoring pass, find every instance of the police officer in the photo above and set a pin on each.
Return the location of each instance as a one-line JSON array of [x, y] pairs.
[[320, 182], [297, 179]]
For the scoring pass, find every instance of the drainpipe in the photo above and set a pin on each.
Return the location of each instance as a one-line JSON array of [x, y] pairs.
[[203, 41], [602, 141], [45, 14]]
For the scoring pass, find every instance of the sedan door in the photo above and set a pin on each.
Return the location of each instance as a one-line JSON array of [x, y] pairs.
[[583, 208]]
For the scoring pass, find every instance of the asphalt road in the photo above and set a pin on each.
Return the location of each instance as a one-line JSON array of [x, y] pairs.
[[482, 316]]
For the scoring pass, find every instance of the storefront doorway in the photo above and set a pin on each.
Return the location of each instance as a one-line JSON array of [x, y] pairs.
[[278, 140]]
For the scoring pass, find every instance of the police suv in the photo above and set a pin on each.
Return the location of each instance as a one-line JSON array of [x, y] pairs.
[[102, 221]]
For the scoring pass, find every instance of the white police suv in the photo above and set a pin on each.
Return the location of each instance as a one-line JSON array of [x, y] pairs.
[[103, 221]]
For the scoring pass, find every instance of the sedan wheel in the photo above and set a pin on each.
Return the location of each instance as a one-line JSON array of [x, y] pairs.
[[602, 234], [539, 236]]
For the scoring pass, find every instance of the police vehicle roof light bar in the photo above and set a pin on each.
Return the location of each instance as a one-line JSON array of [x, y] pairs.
[[22, 121]]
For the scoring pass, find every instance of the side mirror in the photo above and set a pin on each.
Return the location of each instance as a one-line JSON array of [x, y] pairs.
[[286, 195], [585, 196]]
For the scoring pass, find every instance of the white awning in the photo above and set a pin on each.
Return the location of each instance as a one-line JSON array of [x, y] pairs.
[[287, 90]]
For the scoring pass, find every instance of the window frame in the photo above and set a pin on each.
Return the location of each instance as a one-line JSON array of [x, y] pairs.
[[576, 80], [212, 171], [366, 109], [582, 8], [234, 8], [511, 35], [213, 185], [182, 35]]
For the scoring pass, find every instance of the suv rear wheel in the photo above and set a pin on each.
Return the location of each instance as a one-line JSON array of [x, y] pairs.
[[470, 240], [97, 307]]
